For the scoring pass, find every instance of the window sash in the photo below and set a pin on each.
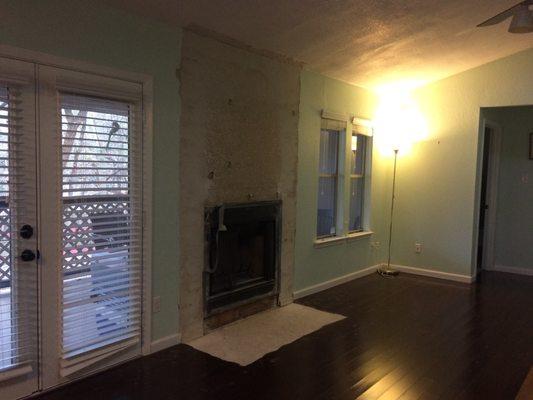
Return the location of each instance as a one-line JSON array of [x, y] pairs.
[[322, 219], [327, 212], [360, 206], [358, 162], [102, 233], [346, 170]]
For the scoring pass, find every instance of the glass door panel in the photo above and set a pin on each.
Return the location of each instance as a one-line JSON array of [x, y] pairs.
[[18, 231]]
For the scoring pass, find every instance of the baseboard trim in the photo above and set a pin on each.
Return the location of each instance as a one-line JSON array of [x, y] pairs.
[[334, 282], [434, 274], [165, 342], [370, 270], [511, 270]]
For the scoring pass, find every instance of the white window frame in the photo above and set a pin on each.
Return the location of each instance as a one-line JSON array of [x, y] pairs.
[[359, 126], [146, 81], [339, 177]]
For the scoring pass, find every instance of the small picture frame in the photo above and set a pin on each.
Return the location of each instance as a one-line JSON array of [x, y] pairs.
[[531, 146]]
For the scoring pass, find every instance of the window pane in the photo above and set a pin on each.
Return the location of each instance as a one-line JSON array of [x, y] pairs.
[[101, 237], [327, 189], [358, 146], [8, 324], [327, 185], [356, 204], [329, 147]]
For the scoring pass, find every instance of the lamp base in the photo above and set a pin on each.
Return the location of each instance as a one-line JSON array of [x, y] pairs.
[[387, 272]]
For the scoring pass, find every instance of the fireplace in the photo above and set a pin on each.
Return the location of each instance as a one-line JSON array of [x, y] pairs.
[[242, 254]]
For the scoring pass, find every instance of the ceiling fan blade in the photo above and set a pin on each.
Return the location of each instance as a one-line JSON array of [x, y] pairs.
[[503, 15]]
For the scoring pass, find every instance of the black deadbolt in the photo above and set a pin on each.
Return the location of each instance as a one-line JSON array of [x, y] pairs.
[[26, 231], [27, 255]]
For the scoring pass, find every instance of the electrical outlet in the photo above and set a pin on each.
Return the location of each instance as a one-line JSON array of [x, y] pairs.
[[156, 304], [375, 245], [418, 248]]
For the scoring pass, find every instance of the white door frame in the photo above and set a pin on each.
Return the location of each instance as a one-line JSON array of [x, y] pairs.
[[43, 59], [492, 190]]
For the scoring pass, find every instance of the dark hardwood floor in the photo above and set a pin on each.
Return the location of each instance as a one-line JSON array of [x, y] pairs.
[[404, 338]]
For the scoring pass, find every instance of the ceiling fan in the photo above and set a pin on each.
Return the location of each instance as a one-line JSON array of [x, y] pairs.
[[522, 21]]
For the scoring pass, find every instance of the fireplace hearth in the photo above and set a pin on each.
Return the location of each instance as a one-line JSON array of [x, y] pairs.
[[242, 254]]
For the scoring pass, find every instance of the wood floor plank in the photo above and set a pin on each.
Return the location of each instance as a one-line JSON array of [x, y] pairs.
[[409, 338], [526, 390]]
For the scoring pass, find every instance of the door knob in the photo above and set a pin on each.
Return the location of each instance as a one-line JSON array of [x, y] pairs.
[[27, 255], [26, 231]]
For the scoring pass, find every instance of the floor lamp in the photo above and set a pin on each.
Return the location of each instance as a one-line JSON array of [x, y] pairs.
[[387, 271]]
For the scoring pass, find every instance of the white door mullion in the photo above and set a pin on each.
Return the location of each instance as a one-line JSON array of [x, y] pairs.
[[50, 239]]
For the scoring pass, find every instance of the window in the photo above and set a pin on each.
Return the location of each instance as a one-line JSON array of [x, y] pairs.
[[357, 181], [17, 190], [328, 178], [343, 176], [101, 238]]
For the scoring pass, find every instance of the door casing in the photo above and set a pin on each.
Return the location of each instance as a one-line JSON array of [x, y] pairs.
[[491, 195]]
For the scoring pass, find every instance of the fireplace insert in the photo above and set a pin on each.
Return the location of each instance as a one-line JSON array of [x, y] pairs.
[[242, 253]]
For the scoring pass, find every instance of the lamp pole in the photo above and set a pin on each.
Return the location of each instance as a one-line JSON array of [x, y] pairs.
[[387, 271]]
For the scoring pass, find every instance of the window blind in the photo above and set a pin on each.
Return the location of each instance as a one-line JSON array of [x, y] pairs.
[[328, 182], [362, 126], [101, 229], [357, 181], [333, 124], [18, 279]]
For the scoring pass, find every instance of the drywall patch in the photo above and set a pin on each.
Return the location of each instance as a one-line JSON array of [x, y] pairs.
[[239, 143]]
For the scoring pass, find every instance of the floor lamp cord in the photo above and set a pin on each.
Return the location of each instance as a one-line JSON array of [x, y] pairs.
[[388, 271]]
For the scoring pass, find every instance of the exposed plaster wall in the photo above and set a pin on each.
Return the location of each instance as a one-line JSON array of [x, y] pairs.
[[239, 143]]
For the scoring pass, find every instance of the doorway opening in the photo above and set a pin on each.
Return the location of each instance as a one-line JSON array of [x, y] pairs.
[[491, 139], [504, 190]]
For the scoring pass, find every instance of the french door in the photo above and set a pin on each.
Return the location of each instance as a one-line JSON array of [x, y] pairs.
[[71, 175], [19, 345]]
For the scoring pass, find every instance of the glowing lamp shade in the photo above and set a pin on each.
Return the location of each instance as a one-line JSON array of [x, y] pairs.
[[398, 124]]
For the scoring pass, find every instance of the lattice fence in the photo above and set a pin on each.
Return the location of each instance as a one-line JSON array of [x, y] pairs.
[[90, 225], [5, 245]]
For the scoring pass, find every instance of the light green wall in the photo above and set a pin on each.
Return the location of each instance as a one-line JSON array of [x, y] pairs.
[[92, 32], [514, 209], [437, 182], [316, 265]]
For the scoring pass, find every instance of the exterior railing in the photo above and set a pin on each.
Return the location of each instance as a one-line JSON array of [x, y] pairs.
[[5, 244], [81, 237]]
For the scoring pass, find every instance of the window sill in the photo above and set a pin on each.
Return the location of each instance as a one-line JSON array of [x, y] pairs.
[[358, 235], [336, 240]]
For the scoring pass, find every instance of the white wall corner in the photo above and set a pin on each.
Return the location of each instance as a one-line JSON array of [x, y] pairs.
[[165, 342]]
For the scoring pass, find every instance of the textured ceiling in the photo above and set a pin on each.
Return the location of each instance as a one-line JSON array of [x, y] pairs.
[[366, 42]]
